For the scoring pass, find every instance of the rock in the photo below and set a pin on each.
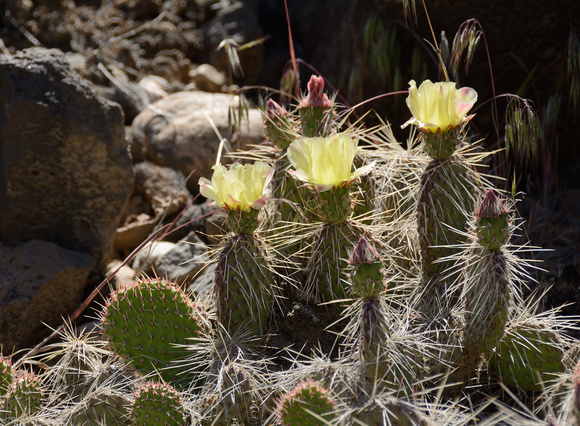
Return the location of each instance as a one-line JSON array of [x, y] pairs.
[[40, 283], [202, 286], [66, 172], [176, 262], [124, 274], [177, 132], [207, 78]]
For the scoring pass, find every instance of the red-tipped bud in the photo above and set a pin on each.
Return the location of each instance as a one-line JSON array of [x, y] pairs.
[[492, 226], [316, 96], [491, 206], [368, 275], [275, 110], [364, 252]]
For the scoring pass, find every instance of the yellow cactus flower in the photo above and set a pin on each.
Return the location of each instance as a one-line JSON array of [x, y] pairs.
[[439, 107], [325, 162], [240, 188]]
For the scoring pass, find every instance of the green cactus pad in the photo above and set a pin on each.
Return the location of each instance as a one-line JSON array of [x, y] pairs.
[[147, 321], [334, 205], [327, 279], [5, 375], [158, 404], [243, 286], [306, 405], [528, 358], [448, 192], [243, 221], [487, 299], [24, 397], [440, 146]]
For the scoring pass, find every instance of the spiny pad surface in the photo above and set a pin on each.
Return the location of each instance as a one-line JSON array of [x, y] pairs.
[[158, 404], [296, 407], [529, 357], [145, 322]]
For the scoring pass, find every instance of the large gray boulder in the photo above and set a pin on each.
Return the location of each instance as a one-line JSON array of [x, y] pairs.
[[40, 283], [65, 170], [179, 132]]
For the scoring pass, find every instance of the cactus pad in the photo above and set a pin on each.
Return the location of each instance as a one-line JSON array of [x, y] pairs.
[[333, 243], [158, 404], [306, 405], [243, 286], [447, 193], [24, 397], [528, 357], [5, 375], [146, 321]]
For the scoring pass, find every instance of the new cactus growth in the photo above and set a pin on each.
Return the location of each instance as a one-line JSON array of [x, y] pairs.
[[308, 404], [157, 404], [147, 321], [487, 281], [368, 273], [316, 110]]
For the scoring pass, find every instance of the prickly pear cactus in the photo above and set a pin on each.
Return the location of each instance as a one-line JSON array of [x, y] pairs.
[[487, 280], [326, 269], [529, 357], [308, 404], [145, 323], [5, 375], [448, 192], [157, 404], [24, 397], [243, 286]]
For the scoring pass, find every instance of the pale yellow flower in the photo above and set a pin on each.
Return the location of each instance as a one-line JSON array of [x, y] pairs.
[[240, 187], [325, 162], [439, 107]]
